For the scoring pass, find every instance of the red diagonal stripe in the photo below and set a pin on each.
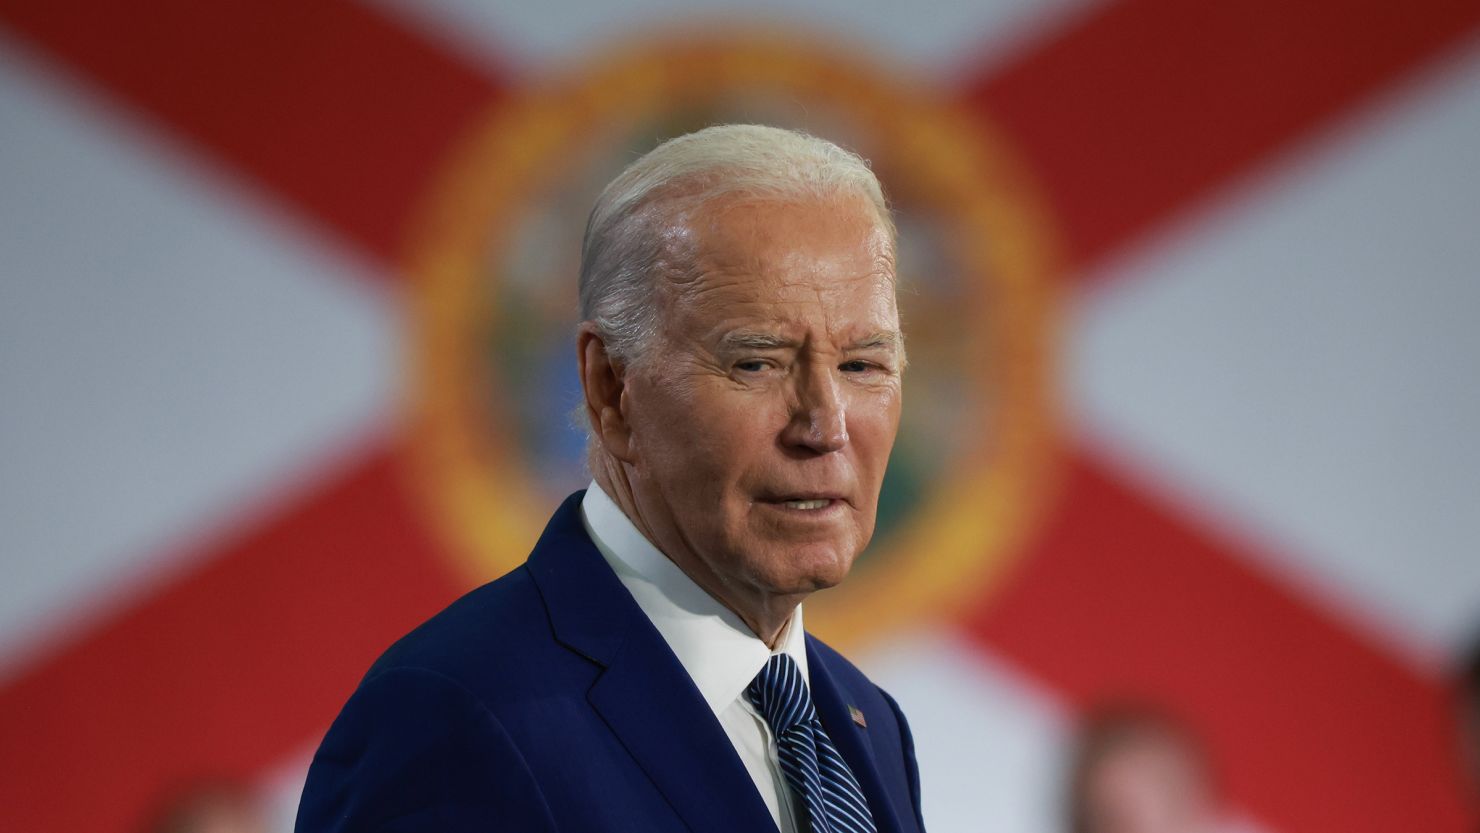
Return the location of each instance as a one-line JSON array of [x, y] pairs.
[[1146, 106], [330, 105], [1318, 729], [226, 670]]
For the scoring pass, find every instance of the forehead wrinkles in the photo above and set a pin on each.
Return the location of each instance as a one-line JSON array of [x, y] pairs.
[[736, 233], [723, 254], [736, 295]]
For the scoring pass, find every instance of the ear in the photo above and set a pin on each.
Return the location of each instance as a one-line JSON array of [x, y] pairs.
[[604, 386]]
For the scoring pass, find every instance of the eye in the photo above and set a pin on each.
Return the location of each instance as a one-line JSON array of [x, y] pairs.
[[855, 366], [750, 365]]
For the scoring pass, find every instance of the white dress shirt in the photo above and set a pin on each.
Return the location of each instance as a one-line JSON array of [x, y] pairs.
[[720, 653]]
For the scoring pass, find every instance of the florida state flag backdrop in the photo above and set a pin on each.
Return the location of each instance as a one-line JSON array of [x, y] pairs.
[[1192, 293]]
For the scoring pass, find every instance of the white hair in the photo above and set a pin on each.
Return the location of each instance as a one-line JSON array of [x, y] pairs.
[[626, 248]]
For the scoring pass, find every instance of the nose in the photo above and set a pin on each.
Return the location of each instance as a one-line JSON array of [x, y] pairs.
[[819, 421]]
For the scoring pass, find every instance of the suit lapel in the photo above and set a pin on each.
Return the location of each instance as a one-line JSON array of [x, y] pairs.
[[644, 694], [852, 741], [653, 706]]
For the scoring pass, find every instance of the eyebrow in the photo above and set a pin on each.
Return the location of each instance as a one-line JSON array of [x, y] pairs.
[[752, 340], [883, 338]]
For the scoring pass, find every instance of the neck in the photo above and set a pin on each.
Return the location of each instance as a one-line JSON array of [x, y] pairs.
[[766, 615]]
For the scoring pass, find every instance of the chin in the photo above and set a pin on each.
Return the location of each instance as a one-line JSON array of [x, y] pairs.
[[811, 570]]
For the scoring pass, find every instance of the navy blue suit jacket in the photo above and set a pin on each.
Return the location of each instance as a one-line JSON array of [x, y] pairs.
[[546, 700]]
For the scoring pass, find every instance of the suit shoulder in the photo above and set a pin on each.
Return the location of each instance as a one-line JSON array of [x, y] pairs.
[[489, 627]]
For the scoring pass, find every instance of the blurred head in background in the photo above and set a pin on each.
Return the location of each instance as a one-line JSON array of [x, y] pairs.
[[1469, 721], [1137, 770], [211, 807]]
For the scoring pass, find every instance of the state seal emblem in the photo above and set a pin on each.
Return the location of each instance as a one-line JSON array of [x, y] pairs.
[[494, 261]]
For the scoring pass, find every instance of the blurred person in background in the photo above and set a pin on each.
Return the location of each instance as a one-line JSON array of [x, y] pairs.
[[1468, 690], [222, 806], [1138, 770], [647, 668]]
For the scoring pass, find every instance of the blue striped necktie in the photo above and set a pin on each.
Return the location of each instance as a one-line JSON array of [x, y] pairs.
[[813, 767]]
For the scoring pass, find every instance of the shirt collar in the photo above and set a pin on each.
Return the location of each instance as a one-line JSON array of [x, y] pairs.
[[715, 647]]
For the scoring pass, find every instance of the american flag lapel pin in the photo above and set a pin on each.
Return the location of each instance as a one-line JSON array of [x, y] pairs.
[[857, 715]]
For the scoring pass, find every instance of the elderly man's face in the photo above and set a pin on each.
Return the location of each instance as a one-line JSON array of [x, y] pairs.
[[762, 425]]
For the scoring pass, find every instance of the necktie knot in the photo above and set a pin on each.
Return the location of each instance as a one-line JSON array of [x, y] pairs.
[[780, 694]]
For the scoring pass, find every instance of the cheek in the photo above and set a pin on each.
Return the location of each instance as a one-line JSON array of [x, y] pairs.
[[873, 422], [742, 435], [705, 438]]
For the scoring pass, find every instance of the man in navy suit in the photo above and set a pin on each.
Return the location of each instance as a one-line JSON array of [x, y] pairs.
[[647, 669]]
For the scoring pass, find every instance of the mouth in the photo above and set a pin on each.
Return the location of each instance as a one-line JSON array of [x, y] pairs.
[[810, 502], [821, 503]]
